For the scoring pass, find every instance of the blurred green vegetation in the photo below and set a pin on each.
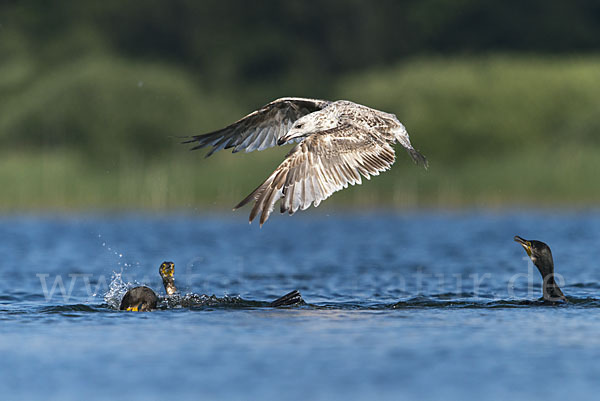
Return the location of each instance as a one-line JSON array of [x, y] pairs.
[[497, 130], [95, 98], [460, 109]]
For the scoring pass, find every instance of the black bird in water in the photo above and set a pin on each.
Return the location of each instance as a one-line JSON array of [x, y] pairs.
[[541, 256], [143, 299]]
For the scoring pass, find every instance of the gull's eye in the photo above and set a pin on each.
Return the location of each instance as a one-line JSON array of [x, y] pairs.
[[298, 126]]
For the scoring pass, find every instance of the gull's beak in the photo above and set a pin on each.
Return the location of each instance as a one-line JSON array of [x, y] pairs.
[[282, 140], [526, 244]]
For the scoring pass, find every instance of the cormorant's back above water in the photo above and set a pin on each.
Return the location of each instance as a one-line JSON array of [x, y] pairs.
[[139, 299], [541, 256]]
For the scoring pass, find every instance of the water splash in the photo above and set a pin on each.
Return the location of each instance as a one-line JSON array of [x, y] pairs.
[[118, 255], [116, 289], [191, 300]]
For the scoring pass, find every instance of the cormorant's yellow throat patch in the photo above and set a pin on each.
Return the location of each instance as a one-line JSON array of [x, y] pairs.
[[527, 247], [132, 309]]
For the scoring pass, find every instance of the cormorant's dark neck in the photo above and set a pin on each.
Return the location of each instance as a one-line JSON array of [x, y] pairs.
[[552, 291], [169, 283]]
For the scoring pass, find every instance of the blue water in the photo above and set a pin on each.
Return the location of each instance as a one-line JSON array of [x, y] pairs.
[[420, 306]]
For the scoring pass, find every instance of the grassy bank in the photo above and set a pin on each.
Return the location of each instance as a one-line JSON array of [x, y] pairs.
[[497, 131], [67, 182]]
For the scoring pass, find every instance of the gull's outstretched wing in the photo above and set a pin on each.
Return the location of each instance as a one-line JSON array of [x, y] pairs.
[[261, 128], [323, 163]]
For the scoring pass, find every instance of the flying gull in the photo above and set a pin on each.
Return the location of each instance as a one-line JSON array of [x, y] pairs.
[[338, 142]]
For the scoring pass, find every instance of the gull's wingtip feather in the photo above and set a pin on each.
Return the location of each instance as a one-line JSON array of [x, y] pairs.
[[418, 158]]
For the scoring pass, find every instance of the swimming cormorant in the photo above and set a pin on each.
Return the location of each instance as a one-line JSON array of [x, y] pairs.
[[339, 142], [541, 256], [142, 298]]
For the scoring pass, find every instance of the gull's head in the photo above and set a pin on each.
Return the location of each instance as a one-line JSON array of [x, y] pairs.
[[306, 125], [301, 127]]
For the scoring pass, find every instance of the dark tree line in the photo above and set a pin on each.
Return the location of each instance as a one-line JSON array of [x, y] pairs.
[[270, 40]]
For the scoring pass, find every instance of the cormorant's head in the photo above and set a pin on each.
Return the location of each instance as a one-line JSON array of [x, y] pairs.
[[167, 271], [539, 253]]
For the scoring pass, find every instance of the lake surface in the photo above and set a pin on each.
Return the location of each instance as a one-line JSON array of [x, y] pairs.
[[423, 305]]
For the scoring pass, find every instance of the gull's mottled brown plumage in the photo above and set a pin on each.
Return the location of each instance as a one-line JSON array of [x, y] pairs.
[[339, 142]]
